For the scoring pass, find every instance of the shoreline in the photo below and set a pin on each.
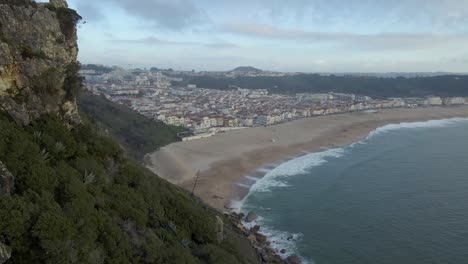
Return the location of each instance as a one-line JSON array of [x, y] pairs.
[[226, 159]]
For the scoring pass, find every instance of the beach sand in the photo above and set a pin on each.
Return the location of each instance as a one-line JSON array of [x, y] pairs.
[[224, 159]]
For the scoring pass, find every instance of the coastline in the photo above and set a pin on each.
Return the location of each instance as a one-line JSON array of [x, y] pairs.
[[225, 159]]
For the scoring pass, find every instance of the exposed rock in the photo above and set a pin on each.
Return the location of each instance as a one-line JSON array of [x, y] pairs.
[[261, 238], [251, 216], [59, 3], [16, 111], [293, 259], [255, 229], [5, 253], [38, 71], [219, 229], [283, 251], [252, 238], [7, 180], [260, 242]]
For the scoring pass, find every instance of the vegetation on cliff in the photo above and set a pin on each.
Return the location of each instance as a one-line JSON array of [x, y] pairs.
[[138, 134], [77, 199], [68, 194]]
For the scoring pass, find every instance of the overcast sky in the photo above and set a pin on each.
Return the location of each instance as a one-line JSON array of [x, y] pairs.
[[280, 35]]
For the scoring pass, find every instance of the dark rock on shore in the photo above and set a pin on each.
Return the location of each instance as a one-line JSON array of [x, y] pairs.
[[260, 242], [251, 216]]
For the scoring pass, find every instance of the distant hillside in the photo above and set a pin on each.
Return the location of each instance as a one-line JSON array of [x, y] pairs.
[[377, 87], [245, 70], [138, 134]]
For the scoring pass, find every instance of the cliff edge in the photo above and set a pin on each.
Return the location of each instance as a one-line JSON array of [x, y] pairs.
[[38, 60]]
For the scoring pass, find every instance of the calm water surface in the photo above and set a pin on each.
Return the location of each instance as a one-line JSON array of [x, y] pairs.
[[400, 196]]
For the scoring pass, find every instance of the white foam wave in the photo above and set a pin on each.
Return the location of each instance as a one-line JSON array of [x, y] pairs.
[[425, 124], [243, 185], [236, 205], [280, 240], [263, 170], [276, 176], [252, 178]]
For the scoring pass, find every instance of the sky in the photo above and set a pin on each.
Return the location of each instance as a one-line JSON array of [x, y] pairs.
[[277, 35]]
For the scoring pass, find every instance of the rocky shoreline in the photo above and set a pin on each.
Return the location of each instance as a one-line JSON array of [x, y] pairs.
[[259, 241]]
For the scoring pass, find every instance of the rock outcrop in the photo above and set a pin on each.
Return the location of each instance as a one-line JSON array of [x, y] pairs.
[[260, 242], [219, 228], [38, 60], [5, 253], [251, 216], [7, 181]]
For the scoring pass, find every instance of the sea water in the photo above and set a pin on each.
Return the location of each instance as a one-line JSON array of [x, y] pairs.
[[399, 196]]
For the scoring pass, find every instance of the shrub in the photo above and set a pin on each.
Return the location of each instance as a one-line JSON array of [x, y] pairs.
[[28, 53], [73, 81], [68, 18], [48, 82]]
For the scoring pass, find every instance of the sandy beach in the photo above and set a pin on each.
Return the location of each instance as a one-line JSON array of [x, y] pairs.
[[224, 159]]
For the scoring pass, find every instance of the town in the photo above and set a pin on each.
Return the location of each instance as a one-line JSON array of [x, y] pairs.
[[205, 112]]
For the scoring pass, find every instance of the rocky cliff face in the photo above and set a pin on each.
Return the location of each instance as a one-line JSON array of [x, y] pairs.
[[38, 60], [7, 181]]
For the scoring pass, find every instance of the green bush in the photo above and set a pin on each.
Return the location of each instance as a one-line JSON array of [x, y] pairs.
[[48, 83], [73, 81], [68, 18]]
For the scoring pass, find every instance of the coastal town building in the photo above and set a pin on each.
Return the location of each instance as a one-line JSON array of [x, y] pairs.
[[152, 94]]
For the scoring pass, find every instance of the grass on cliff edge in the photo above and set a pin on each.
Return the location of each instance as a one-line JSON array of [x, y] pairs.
[[138, 134], [77, 199]]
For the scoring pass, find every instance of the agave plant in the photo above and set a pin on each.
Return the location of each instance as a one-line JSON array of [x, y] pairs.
[[173, 227], [59, 147], [88, 178], [185, 242], [45, 155], [37, 134]]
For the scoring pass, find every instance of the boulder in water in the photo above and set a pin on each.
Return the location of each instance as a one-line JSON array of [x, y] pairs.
[[251, 216]]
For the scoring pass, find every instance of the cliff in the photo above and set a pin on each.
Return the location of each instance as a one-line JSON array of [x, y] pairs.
[[68, 194], [38, 60]]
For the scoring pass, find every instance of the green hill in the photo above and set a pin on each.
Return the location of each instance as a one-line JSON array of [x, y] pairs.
[[138, 134]]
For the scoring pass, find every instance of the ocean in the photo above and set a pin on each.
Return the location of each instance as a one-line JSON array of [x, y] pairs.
[[399, 196]]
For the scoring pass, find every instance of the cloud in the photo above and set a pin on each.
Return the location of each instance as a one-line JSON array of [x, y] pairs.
[[168, 14], [357, 40], [89, 12], [154, 41]]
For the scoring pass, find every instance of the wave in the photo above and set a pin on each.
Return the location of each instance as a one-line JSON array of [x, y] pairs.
[[277, 177], [280, 240], [273, 178], [412, 125], [243, 185], [251, 178]]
